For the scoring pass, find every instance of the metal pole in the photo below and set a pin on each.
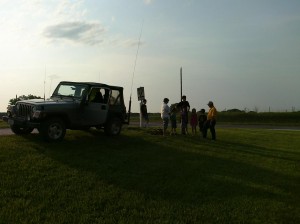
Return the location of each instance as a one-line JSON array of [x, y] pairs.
[[140, 114], [129, 110]]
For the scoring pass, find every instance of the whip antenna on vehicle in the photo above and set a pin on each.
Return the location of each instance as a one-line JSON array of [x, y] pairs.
[[137, 52], [45, 83]]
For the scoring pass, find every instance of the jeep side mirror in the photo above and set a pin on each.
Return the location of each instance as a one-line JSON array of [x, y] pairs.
[[86, 100]]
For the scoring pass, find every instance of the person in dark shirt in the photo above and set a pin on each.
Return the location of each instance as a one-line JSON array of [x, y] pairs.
[[144, 113], [184, 107], [98, 98]]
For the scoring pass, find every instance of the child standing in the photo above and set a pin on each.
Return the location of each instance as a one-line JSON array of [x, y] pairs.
[[165, 115], [173, 121], [201, 120], [193, 121]]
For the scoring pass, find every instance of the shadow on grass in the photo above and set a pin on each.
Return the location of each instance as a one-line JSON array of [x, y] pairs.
[[156, 170]]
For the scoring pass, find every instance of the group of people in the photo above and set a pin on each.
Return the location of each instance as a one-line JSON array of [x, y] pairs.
[[204, 121]]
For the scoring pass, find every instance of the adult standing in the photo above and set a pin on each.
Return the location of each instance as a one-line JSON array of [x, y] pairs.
[[144, 112], [211, 121], [184, 107], [165, 115]]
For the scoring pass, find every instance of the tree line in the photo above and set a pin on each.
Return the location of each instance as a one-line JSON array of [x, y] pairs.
[[13, 101]]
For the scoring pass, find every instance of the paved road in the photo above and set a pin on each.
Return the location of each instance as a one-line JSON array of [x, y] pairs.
[[7, 131]]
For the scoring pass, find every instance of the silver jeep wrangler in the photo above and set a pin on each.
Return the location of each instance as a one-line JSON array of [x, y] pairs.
[[73, 105]]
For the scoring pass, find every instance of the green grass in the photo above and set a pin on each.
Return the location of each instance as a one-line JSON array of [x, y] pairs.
[[271, 118], [3, 124], [247, 176]]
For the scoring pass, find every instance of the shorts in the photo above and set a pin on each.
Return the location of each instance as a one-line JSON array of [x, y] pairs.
[[165, 123], [174, 123]]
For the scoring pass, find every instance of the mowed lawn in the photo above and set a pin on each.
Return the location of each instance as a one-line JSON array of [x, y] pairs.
[[246, 176]]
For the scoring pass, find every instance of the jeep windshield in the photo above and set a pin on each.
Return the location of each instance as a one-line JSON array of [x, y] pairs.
[[70, 90]]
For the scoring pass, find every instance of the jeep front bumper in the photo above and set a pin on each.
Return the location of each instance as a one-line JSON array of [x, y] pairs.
[[21, 122]]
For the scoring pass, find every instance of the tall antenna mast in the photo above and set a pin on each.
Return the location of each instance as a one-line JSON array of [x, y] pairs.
[[45, 83], [137, 52], [180, 83]]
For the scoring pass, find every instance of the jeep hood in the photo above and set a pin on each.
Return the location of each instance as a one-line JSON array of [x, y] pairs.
[[56, 100]]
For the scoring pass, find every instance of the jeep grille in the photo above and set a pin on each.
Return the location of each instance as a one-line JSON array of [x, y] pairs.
[[24, 110]]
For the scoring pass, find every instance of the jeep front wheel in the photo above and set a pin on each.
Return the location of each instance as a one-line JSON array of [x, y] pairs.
[[20, 130], [113, 126], [53, 129]]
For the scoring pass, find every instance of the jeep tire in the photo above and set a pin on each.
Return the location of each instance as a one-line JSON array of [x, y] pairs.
[[53, 129], [113, 126], [20, 130]]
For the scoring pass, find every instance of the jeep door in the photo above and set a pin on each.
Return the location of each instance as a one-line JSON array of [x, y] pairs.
[[95, 111]]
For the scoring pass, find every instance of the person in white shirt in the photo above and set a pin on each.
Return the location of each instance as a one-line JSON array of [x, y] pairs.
[[165, 115]]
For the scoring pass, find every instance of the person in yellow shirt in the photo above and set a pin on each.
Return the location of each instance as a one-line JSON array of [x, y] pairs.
[[211, 121]]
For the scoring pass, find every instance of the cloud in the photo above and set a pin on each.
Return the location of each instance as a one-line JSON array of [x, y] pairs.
[[70, 9], [148, 2], [132, 43], [125, 43], [90, 33]]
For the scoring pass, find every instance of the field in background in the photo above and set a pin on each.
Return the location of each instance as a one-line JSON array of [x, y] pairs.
[[286, 118], [247, 176], [270, 118]]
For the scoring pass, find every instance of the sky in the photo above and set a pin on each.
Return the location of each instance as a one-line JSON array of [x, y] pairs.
[[240, 54]]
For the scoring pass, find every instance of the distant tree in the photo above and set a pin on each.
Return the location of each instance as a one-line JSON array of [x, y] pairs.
[[234, 110], [13, 101]]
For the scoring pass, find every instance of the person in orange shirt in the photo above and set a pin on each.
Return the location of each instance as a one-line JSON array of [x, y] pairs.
[[211, 121]]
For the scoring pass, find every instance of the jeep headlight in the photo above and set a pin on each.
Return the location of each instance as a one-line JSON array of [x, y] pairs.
[[36, 114], [33, 110], [10, 110]]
